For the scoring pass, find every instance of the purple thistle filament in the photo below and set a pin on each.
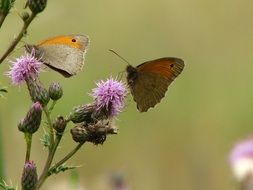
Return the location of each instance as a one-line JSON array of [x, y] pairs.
[[24, 67], [110, 95]]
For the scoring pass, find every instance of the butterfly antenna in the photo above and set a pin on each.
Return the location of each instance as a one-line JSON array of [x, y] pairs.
[[111, 50]]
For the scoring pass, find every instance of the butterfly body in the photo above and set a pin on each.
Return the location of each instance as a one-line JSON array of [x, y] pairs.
[[64, 54], [149, 81]]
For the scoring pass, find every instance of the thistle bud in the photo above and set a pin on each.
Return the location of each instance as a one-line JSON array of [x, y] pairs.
[[79, 134], [31, 122], [25, 16], [55, 91], [37, 92], [83, 113], [37, 6], [29, 176], [60, 124]]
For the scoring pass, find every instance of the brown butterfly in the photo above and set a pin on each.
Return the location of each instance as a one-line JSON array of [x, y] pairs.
[[149, 81]]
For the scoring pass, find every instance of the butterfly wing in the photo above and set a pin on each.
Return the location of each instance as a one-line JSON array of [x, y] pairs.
[[149, 81], [64, 54]]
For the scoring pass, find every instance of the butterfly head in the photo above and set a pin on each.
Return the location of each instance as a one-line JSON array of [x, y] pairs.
[[132, 74]]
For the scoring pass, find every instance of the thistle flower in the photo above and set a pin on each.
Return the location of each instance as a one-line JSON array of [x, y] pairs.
[[83, 113], [95, 133], [31, 122], [109, 96], [55, 91], [241, 159], [79, 134], [60, 124], [118, 181], [27, 66], [37, 6], [37, 91], [29, 176]]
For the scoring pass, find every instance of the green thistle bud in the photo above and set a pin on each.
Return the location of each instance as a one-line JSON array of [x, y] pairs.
[[37, 92], [79, 134], [31, 122], [29, 176], [37, 6], [25, 16], [55, 91], [60, 124], [5, 6], [83, 113]]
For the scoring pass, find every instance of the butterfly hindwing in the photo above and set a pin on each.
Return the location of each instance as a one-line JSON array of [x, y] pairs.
[[63, 58], [147, 93]]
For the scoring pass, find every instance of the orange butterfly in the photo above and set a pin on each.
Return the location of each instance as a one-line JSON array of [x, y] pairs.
[[64, 54], [149, 81]]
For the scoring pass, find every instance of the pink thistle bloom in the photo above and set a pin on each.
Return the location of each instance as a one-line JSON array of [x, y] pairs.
[[24, 67], [241, 159], [110, 95]]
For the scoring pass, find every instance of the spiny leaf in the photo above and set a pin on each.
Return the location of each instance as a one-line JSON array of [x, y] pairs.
[[61, 168], [5, 186], [3, 89], [46, 140]]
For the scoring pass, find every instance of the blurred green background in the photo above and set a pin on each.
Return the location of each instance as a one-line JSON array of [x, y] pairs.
[[184, 142]]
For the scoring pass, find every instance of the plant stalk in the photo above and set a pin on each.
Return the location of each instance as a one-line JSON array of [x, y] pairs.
[[50, 157], [68, 156], [50, 125], [18, 38], [2, 18], [28, 139]]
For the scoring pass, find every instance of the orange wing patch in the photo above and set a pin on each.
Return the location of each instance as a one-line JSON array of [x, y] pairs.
[[167, 67], [63, 40]]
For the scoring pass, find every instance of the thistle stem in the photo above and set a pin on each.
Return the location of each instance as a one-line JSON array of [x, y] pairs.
[[18, 38], [2, 164], [52, 106], [68, 156], [28, 138], [50, 126], [50, 157], [2, 18]]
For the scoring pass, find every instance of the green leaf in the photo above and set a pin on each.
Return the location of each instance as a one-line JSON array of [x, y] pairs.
[[5, 5], [61, 168], [3, 89], [46, 140], [5, 186]]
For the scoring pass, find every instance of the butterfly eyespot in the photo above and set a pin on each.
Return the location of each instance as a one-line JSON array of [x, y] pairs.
[[171, 65], [73, 40]]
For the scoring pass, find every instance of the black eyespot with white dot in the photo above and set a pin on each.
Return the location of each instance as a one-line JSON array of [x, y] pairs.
[[73, 40], [171, 65]]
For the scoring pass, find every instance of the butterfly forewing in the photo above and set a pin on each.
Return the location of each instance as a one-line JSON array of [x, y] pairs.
[[64, 54], [168, 67]]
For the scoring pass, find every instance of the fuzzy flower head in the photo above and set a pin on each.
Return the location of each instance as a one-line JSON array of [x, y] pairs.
[[24, 67], [110, 95], [241, 159]]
